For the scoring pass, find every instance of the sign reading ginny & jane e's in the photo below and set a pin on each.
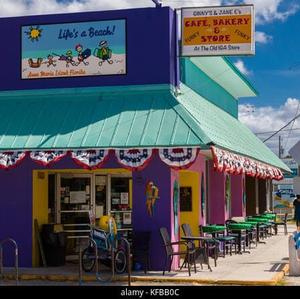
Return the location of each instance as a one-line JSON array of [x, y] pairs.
[[74, 49], [212, 31]]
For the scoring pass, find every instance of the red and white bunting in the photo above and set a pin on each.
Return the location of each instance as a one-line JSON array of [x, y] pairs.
[[218, 158], [45, 158], [239, 164], [134, 159], [11, 159], [228, 162], [178, 157], [90, 159]]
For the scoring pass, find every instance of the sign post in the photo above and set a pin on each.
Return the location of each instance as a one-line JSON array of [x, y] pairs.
[[218, 31]]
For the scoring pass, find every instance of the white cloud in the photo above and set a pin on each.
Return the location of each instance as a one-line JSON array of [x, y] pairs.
[[262, 37], [242, 67], [268, 11], [265, 120], [32, 7]]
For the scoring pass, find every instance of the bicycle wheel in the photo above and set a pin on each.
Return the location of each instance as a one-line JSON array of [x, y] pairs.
[[88, 259], [120, 261]]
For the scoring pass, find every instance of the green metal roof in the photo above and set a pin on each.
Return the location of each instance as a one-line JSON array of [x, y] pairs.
[[118, 117], [222, 71], [226, 131], [98, 118]]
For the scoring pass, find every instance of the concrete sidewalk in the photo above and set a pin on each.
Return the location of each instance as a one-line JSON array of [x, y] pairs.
[[265, 265]]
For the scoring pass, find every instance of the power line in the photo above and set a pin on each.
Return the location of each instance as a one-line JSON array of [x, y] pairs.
[[293, 119], [270, 132], [292, 126]]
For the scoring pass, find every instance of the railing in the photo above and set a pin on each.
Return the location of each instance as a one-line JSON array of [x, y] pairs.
[[128, 260], [9, 240]]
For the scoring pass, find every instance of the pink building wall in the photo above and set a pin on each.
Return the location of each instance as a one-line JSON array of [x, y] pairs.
[[237, 205], [216, 196], [217, 207]]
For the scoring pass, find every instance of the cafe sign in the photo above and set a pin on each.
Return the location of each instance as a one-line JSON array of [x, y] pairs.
[[218, 31]]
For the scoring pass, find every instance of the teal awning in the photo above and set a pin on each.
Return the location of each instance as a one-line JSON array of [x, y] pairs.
[[223, 72], [225, 131], [95, 118], [122, 117]]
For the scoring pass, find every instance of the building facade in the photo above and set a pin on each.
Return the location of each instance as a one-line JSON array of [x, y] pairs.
[[100, 115]]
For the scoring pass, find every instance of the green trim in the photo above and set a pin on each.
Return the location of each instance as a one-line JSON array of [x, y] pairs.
[[86, 90]]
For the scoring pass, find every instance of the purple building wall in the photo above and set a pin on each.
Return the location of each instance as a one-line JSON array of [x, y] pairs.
[[147, 63], [160, 174], [16, 212], [16, 204]]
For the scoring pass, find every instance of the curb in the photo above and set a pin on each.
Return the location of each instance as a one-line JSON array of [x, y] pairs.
[[89, 278]]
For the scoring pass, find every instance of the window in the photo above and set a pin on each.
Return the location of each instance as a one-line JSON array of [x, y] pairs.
[[185, 199]]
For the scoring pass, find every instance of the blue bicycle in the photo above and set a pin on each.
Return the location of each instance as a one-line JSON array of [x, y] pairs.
[[110, 252]]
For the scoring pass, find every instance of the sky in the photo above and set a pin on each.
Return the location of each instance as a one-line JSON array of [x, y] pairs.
[[274, 70]]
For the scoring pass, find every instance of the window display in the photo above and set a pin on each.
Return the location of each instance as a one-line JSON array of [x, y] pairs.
[[120, 202], [100, 195]]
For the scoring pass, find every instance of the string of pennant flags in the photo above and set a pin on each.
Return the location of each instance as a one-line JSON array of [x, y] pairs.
[[132, 159], [225, 161], [138, 159]]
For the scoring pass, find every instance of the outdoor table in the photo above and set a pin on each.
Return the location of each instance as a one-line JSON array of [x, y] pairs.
[[255, 225], [271, 215], [204, 252], [261, 223], [257, 219], [239, 228], [213, 229], [264, 217]]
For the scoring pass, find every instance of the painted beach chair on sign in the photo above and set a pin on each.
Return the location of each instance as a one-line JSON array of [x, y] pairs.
[[294, 254]]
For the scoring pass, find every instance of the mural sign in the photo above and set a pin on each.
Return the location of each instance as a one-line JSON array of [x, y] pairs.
[[74, 49], [209, 31]]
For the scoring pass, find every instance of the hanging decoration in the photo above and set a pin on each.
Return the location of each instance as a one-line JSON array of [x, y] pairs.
[[175, 206], [90, 159], [244, 194], [203, 196], [178, 158], [45, 158], [228, 195], [11, 159], [151, 197], [134, 159], [231, 163]]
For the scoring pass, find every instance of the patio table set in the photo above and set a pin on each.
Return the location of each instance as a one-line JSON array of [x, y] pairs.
[[215, 240]]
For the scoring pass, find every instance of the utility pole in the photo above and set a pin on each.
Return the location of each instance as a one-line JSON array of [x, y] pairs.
[[280, 149]]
